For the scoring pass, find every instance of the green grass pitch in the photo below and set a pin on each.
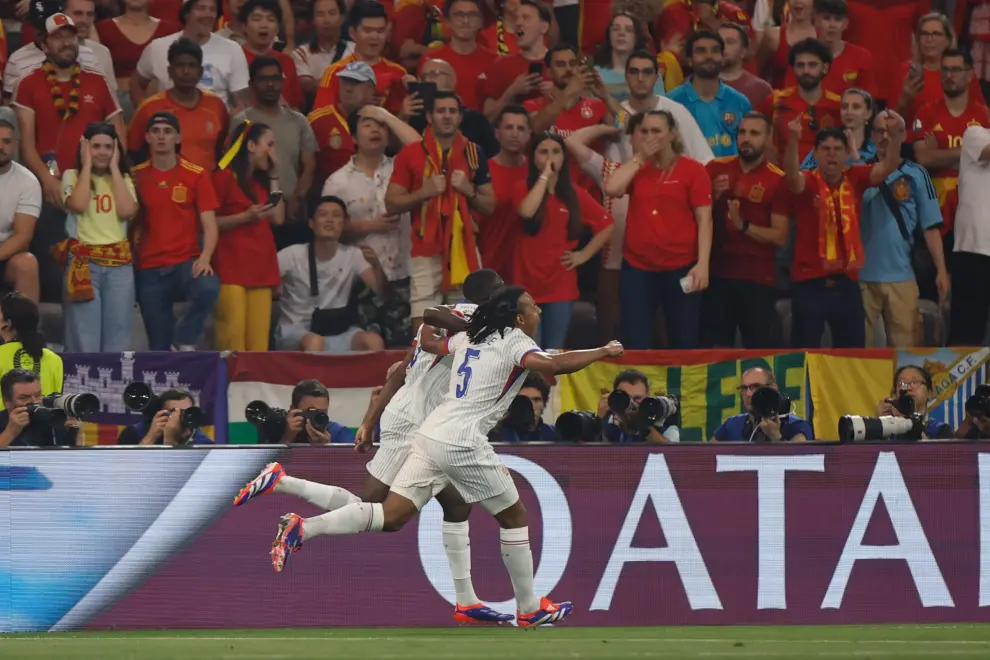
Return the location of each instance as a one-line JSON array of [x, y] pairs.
[[914, 642]]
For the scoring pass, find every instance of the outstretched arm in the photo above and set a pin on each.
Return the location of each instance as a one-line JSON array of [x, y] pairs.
[[571, 361]]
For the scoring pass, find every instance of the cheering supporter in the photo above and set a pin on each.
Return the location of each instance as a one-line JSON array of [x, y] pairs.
[[261, 19], [127, 36], [24, 345], [775, 428], [230, 23], [896, 213], [293, 134], [20, 206], [578, 99], [971, 259], [54, 104], [683, 18], [474, 125], [362, 184], [202, 115], [641, 78], [356, 84], [501, 230], [856, 112], [250, 202], [775, 50], [623, 37], [417, 26], [737, 42], [225, 71], [462, 51], [556, 214], [166, 427], [920, 80], [852, 65], [616, 427], [915, 383], [717, 107], [668, 234], [941, 123], [327, 46], [317, 279], [369, 27], [440, 180], [515, 77], [98, 293], [177, 198], [20, 388], [92, 55], [751, 216], [808, 100], [828, 247]]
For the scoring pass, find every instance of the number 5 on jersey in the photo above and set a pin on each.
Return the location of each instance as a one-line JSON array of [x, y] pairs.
[[464, 371]]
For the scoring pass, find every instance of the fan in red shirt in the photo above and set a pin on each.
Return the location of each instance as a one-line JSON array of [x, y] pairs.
[[261, 19], [920, 83], [501, 35], [809, 100], [750, 213], [884, 28], [417, 26], [668, 237], [462, 51], [939, 127], [852, 65], [117, 34], [828, 248], [356, 83], [500, 231], [681, 18], [555, 216], [245, 260], [177, 198], [516, 78]]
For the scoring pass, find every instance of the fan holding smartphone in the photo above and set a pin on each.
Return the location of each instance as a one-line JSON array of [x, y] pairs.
[[246, 262]]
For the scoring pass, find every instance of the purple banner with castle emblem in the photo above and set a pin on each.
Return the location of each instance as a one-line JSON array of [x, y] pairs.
[[203, 374]]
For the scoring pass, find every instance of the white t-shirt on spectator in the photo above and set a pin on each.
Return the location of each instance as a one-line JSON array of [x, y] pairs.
[[92, 56], [695, 143], [315, 64], [334, 278], [972, 229], [225, 69], [20, 192]]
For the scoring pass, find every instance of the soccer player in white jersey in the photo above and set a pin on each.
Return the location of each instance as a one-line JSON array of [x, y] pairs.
[[452, 448], [411, 392]]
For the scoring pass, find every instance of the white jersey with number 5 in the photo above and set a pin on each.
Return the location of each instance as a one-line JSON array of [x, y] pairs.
[[483, 381]]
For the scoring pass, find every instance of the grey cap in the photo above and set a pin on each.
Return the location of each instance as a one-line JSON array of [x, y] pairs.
[[358, 72]]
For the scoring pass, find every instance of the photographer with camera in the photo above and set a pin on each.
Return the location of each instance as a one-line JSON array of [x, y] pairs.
[[308, 420], [524, 420], [171, 418], [768, 417], [909, 396], [27, 421], [976, 425], [629, 414]]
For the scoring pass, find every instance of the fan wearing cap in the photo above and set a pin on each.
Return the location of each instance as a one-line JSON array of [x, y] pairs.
[[225, 69], [177, 216], [369, 26], [356, 86], [203, 116], [54, 104], [261, 20]]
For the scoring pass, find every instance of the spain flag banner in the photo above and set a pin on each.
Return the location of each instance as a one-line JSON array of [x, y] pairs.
[[705, 382]]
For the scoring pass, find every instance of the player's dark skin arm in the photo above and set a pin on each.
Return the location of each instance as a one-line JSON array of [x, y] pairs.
[[569, 362], [364, 437], [445, 318]]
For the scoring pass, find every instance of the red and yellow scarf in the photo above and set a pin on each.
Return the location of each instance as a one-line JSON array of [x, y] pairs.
[[66, 110], [448, 217], [78, 280], [839, 242]]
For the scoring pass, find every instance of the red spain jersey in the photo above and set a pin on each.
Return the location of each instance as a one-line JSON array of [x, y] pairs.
[[948, 129], [204, 126], [469, 69], [786, 104], [499, 232], [246, 254], [852, 68], [333, 139], [388, 82]]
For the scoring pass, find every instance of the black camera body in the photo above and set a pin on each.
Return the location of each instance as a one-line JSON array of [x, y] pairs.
[[271, 421], [904, 403], [768, 403], [978, 405], [42, 415], [139, 398], [521, 416]]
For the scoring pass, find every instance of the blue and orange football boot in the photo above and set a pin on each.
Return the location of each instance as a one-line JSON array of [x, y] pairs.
[[263, 484], [548, 614], [287, 541], [480, 615]]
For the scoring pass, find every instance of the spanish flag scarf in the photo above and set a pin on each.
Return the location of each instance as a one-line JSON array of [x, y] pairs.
[[78, 279], [447, 217], [839, 242]]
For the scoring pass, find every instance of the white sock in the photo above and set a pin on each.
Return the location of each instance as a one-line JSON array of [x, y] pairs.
[[518, 559], [328, 498], [457, 545], [351, 519]]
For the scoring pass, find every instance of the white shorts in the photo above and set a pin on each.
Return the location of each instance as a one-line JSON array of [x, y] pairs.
[[391, 455], [476, 472]]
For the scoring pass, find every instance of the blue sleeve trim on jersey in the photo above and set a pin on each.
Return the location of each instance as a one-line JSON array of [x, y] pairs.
[[523, 358]]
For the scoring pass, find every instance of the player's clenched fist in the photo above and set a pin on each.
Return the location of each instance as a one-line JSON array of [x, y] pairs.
[[614, 348]]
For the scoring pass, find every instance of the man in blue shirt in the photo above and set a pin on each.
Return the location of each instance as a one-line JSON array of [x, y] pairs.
[[310, 396], [893, 215], [746, 428], [717, 107], [166, 427], [615, 427], [523, 424]]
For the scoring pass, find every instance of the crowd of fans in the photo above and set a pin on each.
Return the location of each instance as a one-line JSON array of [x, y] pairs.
[[314, 176]]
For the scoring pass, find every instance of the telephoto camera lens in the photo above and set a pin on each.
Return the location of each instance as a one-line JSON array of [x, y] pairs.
[[768, 402], [579, 426], [853, 428], [78, 406]]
